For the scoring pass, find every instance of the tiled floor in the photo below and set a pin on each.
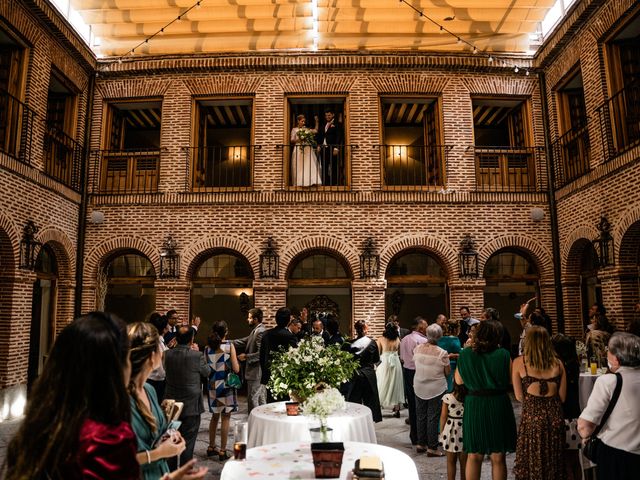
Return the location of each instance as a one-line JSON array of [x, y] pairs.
[[392, 432]]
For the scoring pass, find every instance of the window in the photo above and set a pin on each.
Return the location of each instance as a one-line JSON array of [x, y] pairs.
[[571, 150], [62, 152], [131, 160], [130, 290], [318, 266], [412, 154], [16, 118], [623, 106], [319, 159], [504, 159], [223, 155]]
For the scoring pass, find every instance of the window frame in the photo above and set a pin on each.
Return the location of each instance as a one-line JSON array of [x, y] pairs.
[[288, 126], [439, 125], [196, 135]]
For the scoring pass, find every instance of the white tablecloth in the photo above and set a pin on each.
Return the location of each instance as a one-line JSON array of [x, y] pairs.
[[293, 461], [270, 424], [585, 386]]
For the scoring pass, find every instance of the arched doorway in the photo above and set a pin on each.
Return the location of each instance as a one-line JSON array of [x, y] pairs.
[[590, 288], [7, 274], [222, 289], [43, 311], [629, 260], [130, 286], [416, 285], [321, 281], [511, 279]]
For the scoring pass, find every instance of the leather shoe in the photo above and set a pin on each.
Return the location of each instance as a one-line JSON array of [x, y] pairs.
[[421, 449], [435, 453], [407, 421]]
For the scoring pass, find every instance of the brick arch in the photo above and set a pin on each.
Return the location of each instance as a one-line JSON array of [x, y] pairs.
[[98, 254], [621, 231], [10, 230], [132, 88], [63, 249], [347, 253], [629, 245], [569, 255], [542, 259], [444, 252], [194, 252]]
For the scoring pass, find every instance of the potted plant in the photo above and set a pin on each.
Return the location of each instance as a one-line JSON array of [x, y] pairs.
[[297, 371]]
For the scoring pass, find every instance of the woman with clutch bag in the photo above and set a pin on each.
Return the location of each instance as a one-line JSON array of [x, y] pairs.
[[148, 420], [221, 356]]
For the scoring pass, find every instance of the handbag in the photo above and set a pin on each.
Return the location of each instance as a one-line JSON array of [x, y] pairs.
[[593, 443], [232, 379]]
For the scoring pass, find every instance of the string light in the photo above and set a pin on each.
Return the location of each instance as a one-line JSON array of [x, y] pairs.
[[459, 40]]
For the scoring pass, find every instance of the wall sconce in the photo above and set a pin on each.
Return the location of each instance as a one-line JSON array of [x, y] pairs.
[[604, 243], [468, 258], [28, 246], [169, 259], [269, 260], [369, 261], [537, 214]]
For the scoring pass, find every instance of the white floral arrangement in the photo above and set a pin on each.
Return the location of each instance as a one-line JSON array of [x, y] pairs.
[[324, 403], [306, 136], [581, 349]]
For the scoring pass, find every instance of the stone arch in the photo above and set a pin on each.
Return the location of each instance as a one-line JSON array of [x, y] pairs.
[[63, 249], [13, 237], [443, 251], [98, 254], [195, 251], [540, 256], [342, 250], [569, 254]]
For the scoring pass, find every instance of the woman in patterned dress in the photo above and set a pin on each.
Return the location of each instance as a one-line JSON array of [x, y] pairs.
[[451, 430], [220, 354], [540, 383]]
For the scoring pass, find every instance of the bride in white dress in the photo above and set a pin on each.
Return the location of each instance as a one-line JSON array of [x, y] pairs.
[[305, 168]]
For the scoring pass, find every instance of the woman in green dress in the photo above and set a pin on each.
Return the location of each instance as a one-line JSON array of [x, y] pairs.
[[147, 417], [489, 424]]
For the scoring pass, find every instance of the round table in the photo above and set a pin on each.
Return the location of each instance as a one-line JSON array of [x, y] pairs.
[[293, 461], [585, 386], [270, 424]]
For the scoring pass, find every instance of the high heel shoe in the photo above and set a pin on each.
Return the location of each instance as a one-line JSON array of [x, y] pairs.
[[211, 451], [223, 455], [396, 414]]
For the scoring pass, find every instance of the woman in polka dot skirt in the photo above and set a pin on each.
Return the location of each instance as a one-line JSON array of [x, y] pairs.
[[451, 430]]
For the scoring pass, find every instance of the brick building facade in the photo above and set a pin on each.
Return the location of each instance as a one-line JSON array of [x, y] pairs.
[[530, 204]]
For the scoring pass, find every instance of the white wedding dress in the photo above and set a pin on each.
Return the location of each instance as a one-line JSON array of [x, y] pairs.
[[305, 168]]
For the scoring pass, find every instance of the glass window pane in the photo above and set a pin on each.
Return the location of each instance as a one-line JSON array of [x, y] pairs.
[[318, 266], [224, 266], [130, 265]]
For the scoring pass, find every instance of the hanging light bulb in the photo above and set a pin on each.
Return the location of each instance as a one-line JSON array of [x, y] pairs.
[[198, 5], [516, 69], [458, 41], [179, 19], [475, 50], [490, 59], [161, 32], [527, 72], [119, 60]]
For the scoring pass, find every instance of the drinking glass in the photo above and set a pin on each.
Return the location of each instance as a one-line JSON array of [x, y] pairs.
[[240, 430]]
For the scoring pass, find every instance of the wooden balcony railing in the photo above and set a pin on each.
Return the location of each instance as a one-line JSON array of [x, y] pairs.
[[63, 157], [125, 171], [16, 127], [506, 169], [413, 167], [219, 168], [321, 167], [619, 118]]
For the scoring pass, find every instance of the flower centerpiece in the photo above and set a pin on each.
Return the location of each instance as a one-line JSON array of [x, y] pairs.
[[306, 136], [298, 370], [323, 404], [581, 349]]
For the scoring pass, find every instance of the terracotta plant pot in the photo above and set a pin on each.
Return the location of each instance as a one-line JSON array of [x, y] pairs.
[[327, 459], [293, 408]]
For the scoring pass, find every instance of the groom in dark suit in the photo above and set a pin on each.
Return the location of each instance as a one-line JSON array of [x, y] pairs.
[[330, 149]]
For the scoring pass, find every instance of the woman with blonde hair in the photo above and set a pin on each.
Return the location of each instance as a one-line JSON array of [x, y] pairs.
[[540, 383], [147, 417]]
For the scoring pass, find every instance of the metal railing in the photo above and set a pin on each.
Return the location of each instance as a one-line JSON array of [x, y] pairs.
[[619, 118], [16, 127], [316, 167], [216, 168], [125, 171], [506, 169], [63, 156], [413, 166], [571, 156]]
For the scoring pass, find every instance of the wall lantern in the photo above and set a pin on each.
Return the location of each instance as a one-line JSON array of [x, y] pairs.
[[468, 258], [369, 261], [269, 260], [169, 259], [604, 243], [29, 246]]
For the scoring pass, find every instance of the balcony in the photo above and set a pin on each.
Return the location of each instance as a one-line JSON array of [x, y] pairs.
[[219, 168], [62, 159], [16, 127], [506, 169], [619, 118], [413, 167], [125, 171], [324, 167], [571, 156]]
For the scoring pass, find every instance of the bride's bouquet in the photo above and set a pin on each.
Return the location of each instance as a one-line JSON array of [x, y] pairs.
[[306, 136]]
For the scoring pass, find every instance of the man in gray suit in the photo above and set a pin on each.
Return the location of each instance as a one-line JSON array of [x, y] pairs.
[[184, 368], [256, 392]]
